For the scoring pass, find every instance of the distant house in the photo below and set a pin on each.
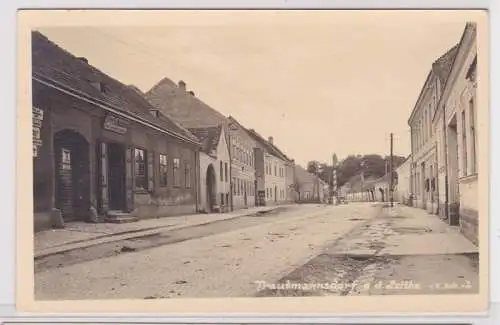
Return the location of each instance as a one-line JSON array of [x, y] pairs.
[[100, 150], [402, 190], [274, 178], [310, 188]]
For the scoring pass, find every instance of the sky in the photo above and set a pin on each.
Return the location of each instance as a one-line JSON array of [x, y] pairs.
[[318, 83]]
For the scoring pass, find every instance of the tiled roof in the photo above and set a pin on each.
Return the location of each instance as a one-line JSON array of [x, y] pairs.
[[208, 136], [442, 66], [303, 176], [270, 148], [183, 107], [60, 68]]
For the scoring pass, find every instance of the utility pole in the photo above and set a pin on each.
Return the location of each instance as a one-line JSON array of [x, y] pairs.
[[334, 173], [391, 188]]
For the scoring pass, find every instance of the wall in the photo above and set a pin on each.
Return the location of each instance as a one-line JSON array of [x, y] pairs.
[[403, 190]]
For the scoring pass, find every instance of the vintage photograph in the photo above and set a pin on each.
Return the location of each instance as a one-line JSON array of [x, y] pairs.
[[258, 154]]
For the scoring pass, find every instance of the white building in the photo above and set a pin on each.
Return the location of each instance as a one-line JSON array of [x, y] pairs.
[[424, 157], [214, 185], [272, 171], [458, 138]]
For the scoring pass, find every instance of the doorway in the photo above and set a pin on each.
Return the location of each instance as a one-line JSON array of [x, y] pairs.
[[116, 178], [211, 183], [454, 192], [72, 173]]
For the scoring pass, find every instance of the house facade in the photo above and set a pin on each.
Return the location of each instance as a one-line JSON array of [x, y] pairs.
[[273, 176], [402, 190], [424, 156], [456, 123], [214, 184], [242, 165], [310, 189], [101, 151]]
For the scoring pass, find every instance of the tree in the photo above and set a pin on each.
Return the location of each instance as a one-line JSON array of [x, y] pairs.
[[313, 167]]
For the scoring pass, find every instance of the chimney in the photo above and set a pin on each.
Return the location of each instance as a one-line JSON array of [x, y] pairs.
[[154, 112], [271, 140], [84, 60], [182, 85], [191, 92]]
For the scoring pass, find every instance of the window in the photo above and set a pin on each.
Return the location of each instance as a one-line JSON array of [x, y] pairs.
[[227, 198], [176, 167], [464, 146], [65, 159], [234, 186], [221, 172], [275, 173], [140, 169], [222, 199], [226, 171], [187, 175], [237, 186], [163, 170], [472, 136]]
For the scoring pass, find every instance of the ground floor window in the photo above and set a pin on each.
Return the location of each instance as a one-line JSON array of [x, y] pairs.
[[177, 176], [163, 170], [140, 169]]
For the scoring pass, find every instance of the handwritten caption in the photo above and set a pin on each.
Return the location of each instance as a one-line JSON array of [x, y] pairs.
[[377, 285]]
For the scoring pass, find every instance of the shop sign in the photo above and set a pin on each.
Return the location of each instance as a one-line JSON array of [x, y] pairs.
[[37, 118], [114, 124]]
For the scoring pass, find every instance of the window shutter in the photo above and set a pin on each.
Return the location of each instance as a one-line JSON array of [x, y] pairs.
[[103, 176], [150, 171], [129, 177]]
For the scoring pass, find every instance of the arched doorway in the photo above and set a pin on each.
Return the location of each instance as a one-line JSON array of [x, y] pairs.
[[382, 194], [211, 184], [72, 174]]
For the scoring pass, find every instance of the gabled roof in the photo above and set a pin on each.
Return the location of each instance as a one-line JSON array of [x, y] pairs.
[[183, 107], [268, 146], [208, 136], [57, 67], [303, 176], [442, 66]]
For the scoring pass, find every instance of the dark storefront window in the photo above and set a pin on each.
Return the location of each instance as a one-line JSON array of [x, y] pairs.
[[177, 166], [140, 170], [163, 170]]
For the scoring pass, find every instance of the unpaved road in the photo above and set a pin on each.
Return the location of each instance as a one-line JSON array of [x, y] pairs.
[[248, 256]]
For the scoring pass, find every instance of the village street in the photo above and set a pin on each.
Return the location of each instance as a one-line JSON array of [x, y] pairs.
[[358, 248]]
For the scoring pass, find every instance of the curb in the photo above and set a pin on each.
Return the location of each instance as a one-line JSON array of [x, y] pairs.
[[130, 234]]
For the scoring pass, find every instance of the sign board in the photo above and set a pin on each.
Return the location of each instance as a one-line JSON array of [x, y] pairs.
[[37, 118], [114, 124]]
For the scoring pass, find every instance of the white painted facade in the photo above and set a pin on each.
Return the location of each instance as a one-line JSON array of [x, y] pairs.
[[275, 180], [243, 168], [402, 191], [219, 161]]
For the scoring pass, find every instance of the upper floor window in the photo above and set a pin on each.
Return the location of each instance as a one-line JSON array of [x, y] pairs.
[[226, 171], [464, 145], [221, 171], [472, 122]]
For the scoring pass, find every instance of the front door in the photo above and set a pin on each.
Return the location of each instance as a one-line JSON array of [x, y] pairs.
[[116, 178]]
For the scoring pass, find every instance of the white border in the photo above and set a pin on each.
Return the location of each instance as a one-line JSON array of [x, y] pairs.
[[7, 129]]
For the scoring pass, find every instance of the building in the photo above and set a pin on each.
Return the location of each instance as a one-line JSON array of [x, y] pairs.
[[272, 168], [455, 123], [402, 190], [424, 151], [101, 151], [310, 189], [214, 184], [359, 188], [175, 101], [243, 165]]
